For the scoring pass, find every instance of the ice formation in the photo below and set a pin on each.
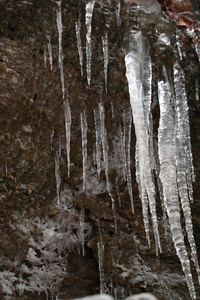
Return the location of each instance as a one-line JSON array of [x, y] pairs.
[[67, 113], [104, 142], [98, 141], [60, 51], [88, 21], [105, 55], [79, 44], [84, 146], [57, 176], [100, 247], [139, 98], [168, 175], [50, 51]]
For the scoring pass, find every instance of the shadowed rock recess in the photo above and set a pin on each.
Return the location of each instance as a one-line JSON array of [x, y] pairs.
[[99, 111]]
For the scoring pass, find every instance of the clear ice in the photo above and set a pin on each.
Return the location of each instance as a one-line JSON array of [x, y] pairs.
[[88, 22], [138, 79], [105, 55], [67, 113], [60, 51], [50, 51], [79, 44], [84, 146], [168, 175]]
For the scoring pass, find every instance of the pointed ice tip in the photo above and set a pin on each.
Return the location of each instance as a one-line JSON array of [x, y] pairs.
[[58, 2]]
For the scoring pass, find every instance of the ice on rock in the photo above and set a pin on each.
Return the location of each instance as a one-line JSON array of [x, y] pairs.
[[82, 217], [58, 176], [105, 55], [184, 157], [101, 246], [127, 121], [137, 82], [45, 57], [67, 113], [50, 51], [98, 141], [104, 142], [84, 146], [114, 211], [60, 51], [88, 21], [197, 89], [168, 175], [79, 44]]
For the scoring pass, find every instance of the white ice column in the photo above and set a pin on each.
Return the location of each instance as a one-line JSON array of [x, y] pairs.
[[67, 112], [84, 146], [105, 55], [88, 22], [60, 51], [79, 44], [136, 79], [184, 164], [168, 175]]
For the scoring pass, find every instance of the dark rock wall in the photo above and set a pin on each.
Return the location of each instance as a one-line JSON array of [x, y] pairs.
[[41, 244]]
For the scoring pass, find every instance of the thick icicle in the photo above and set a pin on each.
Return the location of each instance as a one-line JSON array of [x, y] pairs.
[[168, 176], [58, 176], [118, 13], [104, 141], [60, 51], [98, 141], [183, 153], [105, 55], [88, 22], [127, 120], [134, 63], [50, 51], [84, 146], [79, 44], [67, 112]]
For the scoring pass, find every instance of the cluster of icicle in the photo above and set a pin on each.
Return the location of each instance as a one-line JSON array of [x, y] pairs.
[[175, 169]]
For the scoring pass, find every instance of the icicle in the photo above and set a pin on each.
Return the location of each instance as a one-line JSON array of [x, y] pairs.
[[67, 112], [114, 211], [82, 217], [118, 196], [60, 51], [118, 13], [50, 51], [134, 62], [88, 22], [105, 55], [98, 141], [58, 177], [167, 152], [79, 46], [122, 150], [127, 120], [183, 148], [104, 143], [84, 146], [197, 89], [100, 246], [45, 57]]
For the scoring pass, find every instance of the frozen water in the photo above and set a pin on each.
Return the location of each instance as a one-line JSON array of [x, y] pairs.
[[84, 146], [79, 44], [67, 113]]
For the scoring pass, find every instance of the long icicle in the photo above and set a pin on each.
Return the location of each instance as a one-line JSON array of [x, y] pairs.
[[88, 21], [50, 51], [84, 146], [60, 51], [168, 176], [105, 55], [67, 113], [184, 176], [98, 141], [134, 63], [79, 44]]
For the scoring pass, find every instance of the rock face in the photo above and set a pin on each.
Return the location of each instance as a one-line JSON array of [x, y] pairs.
[[66, 217]]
